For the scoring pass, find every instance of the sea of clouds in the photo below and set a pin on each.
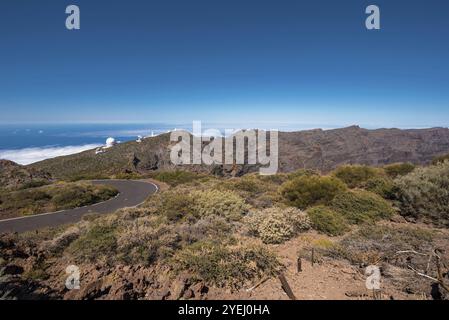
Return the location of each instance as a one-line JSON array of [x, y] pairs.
[[31, 155]]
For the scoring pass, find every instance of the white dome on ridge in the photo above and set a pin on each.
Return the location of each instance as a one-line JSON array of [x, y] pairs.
[[110, 142]]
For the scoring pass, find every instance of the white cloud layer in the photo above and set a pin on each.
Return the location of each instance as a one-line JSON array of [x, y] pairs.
[[31, 155]]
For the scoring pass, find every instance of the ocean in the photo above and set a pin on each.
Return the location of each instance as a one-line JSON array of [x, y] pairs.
[[29, 143]]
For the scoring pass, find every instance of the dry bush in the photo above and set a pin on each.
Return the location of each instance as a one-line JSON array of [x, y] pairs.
[[440, 159], [222, 203], [133, 213], [277, 225], [64, 239], [176, 205], [375, 243], [226, 266], [209, 227], [145, 241]]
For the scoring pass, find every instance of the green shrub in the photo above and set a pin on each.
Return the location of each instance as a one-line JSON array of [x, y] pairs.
[[277, 225], [224, 266], [175, 205], [355, 175], [302, 173], [73, 196], [327, 221], [259, 191], [222, 203], [34, 184], [54, 197], [359, 206], [383, 186], [424, 194], [398, 169], [306, 191], [99, 242], [276, 179], [249, 184]]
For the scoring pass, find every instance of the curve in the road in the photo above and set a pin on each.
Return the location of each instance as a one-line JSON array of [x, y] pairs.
[[131, 194]]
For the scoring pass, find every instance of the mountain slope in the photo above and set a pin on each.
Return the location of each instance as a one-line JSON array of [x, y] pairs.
[[14, 176], [313, 149]]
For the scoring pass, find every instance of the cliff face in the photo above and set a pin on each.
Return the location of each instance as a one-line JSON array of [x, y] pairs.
[[313, 149], [325, 150]]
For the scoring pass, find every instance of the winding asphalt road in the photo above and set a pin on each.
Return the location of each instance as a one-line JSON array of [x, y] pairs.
[[131, 194]]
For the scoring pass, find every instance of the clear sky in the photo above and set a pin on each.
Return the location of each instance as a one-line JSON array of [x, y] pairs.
[[310, 62]]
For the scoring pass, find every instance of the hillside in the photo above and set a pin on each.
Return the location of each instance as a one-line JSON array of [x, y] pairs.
[[318, 149], [244, 237], [14, 176]]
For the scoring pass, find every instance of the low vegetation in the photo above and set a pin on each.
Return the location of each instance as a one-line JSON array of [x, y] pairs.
[[206, 247], [398, 169], [424, 194], [226, 204], [99, 241], [328, 221], [374, 243], [383, 186], [178, 177], [175, 205], [51, 198], [355, 176], [234, 232], [305, 191], [360, 206], [226, 266], [276, 225], [440, 159]]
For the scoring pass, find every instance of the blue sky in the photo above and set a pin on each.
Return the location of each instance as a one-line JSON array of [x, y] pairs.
[[276, 61]]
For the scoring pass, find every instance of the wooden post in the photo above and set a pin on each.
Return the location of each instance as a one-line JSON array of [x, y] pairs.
[[313, 256], [286, 287], [299, 262]]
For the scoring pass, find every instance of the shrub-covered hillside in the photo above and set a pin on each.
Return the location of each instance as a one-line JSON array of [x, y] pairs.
[[204, 236], [51, 198]]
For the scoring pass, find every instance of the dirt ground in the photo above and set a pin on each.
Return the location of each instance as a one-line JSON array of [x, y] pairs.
[[327, 279]]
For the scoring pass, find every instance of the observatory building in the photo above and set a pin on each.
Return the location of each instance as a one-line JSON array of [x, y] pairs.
[[110, 142]]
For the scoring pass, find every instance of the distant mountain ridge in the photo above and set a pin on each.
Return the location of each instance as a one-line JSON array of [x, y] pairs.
[[318, 149], [327, 149]]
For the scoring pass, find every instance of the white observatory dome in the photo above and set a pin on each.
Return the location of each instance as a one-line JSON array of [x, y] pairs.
[[110, 142]]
